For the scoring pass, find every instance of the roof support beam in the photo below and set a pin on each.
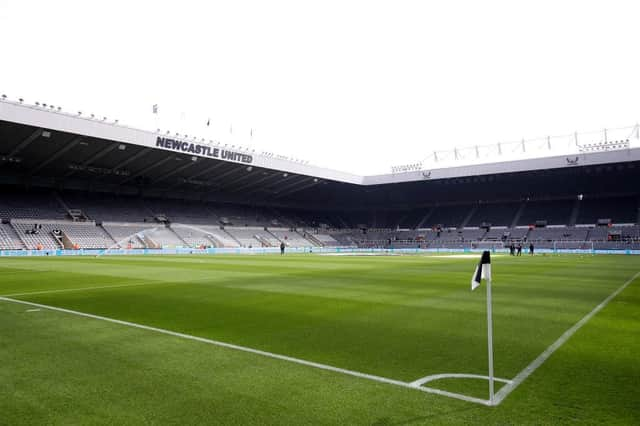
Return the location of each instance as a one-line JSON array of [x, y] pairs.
[[98, 155], [22, 145], [131, 159], [255, 182], [296, 189], [148, 169], [197, 175], [292, 185], [278, 182], [228, 172], [70, 145], [175, 171], [240, 179]]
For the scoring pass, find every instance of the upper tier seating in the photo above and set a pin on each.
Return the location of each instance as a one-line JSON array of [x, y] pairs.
[[500, 214], [448, 216], [30, 206], [569, 233], [557, 212], [108, 207], [619, 210]]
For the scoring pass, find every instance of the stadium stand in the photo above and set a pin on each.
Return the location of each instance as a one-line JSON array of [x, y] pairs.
[[554, 212], [9, 239], [164, 237], [618, 210], [127, 234], [86, 235], [253, 236], [108, 207], [290, 237], [500, 214], [127, 189], [41, 238], [28, 205], [414, 218], [449, 215]]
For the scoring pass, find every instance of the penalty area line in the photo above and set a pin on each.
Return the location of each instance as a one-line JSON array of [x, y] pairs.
[[257, 352], [528, 370]]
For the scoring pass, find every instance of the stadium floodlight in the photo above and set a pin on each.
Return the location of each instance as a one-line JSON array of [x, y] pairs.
[[285, 174], [249, 168], [122, 147], [194, 158]]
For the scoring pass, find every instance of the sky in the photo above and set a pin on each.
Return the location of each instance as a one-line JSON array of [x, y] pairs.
[[357, 86]]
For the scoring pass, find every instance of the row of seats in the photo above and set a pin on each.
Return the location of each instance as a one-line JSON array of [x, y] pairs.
[[110, 207], [9, 240]]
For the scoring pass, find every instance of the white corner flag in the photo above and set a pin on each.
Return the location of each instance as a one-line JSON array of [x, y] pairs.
[[483, 272]]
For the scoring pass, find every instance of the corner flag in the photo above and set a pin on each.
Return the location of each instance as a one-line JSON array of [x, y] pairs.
[[483, 270]]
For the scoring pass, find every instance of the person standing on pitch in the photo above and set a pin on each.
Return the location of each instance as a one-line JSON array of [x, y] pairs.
[[519, 249], [531, 249], [282, 248]]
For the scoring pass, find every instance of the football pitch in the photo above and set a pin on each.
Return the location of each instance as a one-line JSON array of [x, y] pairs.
[[312, 339]]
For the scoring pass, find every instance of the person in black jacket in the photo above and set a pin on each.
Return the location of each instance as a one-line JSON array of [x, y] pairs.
[[282, 248]]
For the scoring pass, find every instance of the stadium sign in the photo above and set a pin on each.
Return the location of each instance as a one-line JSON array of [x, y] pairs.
[[202, 150]]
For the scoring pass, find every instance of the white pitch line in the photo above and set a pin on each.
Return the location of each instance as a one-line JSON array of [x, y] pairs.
[[64, 290], [258, 352], [33, 310], [528, 370], [431, 378]]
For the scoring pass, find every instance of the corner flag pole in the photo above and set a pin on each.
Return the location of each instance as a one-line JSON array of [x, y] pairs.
[[490, 340], [483, 272]]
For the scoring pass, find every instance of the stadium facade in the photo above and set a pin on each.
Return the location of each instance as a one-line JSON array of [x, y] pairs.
[[75, 182]]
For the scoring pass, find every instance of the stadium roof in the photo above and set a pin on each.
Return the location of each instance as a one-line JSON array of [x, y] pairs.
[[51, 147]]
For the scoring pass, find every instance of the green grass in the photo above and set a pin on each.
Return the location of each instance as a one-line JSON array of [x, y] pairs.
[[398, 317]]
